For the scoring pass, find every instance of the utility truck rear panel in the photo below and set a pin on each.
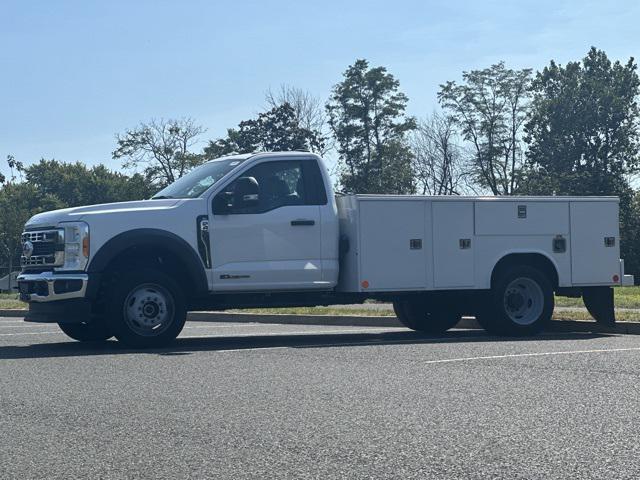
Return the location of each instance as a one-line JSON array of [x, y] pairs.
[[444, 243], [266, 230]]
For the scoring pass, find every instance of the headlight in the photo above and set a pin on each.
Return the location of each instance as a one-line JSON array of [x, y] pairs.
[[76, 245]]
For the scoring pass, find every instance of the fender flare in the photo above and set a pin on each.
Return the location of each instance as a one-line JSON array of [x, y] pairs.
[[151, 237], [526, 252]]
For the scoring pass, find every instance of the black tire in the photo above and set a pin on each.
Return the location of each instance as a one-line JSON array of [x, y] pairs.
[[600, 304], [87, 332], [146, 309], [520, 303], [398, 308], [423, 316]]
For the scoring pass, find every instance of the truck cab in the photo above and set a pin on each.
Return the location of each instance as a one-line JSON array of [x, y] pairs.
[[249, 223]]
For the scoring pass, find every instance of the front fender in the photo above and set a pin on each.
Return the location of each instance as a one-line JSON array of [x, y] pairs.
[[150, 237]]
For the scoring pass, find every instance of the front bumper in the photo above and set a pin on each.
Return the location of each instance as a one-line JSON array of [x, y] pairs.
[[49, 287], [55, 297]]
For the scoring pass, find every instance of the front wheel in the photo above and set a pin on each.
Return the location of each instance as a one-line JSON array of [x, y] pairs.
[[87, 332], [520, 303], [147, 309]]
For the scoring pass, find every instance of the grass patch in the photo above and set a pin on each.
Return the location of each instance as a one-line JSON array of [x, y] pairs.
[[331, 311], [625, 297], [621, 315], [578, 314], [10, 301]]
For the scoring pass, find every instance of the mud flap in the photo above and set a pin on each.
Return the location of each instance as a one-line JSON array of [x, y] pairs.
[[599, 303]]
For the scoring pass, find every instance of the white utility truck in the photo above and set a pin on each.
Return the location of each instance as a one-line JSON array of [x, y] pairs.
[[265, 229]]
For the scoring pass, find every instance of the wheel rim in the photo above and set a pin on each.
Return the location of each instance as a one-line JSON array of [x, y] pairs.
[[149, 309], [523, 301]]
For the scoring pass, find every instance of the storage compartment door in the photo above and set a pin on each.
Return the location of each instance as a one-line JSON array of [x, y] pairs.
[[593, 259], [393, 246], [453, 244], [509, 217]]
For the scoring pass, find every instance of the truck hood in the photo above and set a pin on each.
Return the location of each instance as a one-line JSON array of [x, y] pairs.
[[52, 218]]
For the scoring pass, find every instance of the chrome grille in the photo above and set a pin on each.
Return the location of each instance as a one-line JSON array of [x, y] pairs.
[[48, 248], [41, 236], [36, 260]]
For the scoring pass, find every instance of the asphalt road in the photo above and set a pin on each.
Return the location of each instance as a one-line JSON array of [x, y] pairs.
[[288, 401]]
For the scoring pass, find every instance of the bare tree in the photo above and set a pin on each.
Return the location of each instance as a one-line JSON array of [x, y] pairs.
[[309, 111], [438, 160], [162, 147]]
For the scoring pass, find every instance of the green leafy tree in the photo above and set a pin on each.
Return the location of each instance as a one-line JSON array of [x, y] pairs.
[[278, 129], [18, 202], [367, 117], [76, 184], [583, 130], [490, 108], [161, 147]]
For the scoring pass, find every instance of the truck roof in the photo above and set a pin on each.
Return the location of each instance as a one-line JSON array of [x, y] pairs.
[[245, 156]]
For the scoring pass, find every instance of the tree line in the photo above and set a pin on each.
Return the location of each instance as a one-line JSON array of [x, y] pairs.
[[564, 130]]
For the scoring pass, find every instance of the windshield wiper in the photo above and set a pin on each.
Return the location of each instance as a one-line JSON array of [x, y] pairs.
[[161, 197]]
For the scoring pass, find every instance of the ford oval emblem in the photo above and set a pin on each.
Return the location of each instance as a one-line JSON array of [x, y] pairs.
[[27, 249]]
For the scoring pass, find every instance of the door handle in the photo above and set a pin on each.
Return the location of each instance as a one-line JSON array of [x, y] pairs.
[[302, 222]]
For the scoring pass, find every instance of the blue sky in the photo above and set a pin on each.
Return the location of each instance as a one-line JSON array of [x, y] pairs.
[[72, 74]]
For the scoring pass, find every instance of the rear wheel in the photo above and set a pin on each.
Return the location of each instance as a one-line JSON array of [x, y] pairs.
[[398, 309], [87, 332], [520, 303], [147, 309], [423, 316], [599, 303]]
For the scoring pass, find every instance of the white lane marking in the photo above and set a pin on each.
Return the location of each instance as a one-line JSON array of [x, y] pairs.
[[251, 349], [21, 326], [11, 323], [230, 326], [361, 329], [300, 332], [30, 333], [283, 333], [40, 325], [444, 360], [536, 354]]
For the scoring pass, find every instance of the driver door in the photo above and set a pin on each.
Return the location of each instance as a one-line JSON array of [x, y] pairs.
[[268, 236]]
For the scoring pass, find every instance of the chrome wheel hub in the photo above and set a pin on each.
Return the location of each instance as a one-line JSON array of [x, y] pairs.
[[148, 309]]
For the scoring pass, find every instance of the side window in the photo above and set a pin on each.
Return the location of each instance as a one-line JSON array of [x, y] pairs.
[[268, 186]]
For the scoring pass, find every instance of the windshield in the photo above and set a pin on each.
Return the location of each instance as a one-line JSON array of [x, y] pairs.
[[198, 180]]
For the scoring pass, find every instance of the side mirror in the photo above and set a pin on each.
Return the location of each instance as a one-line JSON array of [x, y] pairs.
[[246, 192], [221, 204]]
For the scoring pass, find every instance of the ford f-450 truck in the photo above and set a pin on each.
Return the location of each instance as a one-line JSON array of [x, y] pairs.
[[266, 229]]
